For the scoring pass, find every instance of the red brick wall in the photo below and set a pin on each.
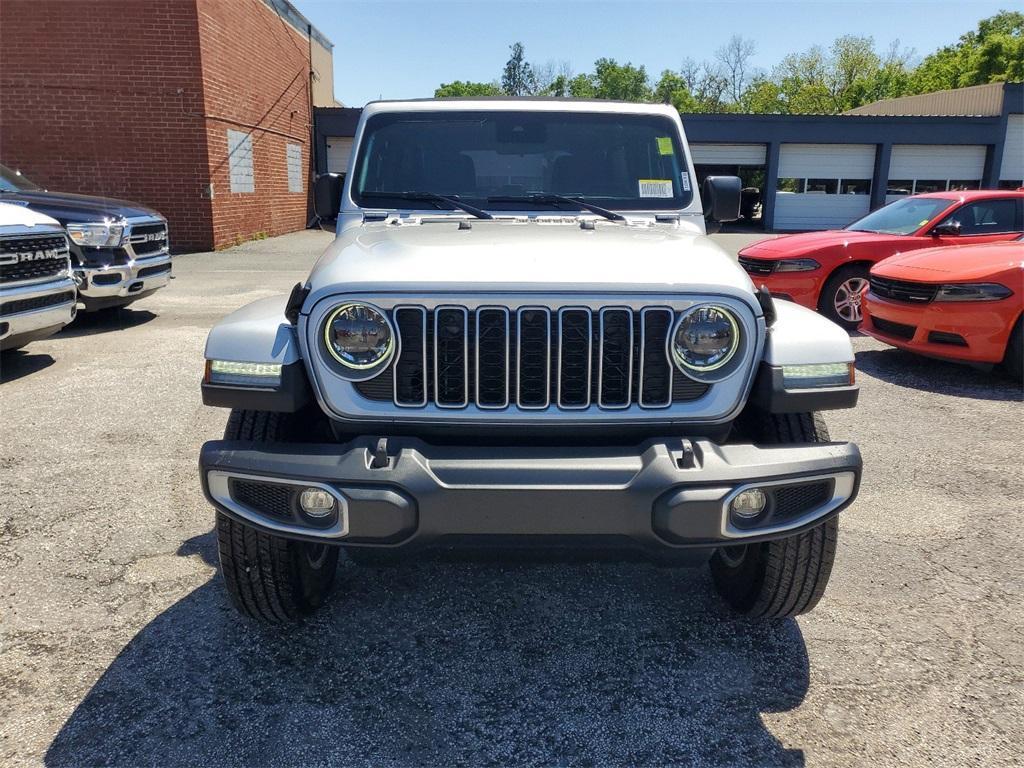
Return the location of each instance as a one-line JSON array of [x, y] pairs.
[[256, 80], [105, 97]]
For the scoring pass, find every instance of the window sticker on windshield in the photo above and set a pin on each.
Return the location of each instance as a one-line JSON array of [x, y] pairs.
[[685, 177], [655, 187], [664, 145]]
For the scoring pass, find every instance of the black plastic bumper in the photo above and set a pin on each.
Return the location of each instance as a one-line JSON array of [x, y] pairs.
[[654, 496]]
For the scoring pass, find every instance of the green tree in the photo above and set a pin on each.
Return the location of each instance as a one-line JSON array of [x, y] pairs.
[[994, 52], [622, 82], [671, 89], [518, 78], [466, 88]]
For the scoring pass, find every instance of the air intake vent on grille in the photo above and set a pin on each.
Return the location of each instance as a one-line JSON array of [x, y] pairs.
[[532, 358], [655, 369], [451, 356]]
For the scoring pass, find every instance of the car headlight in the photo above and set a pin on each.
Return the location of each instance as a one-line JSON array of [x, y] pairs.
[[101, 234], [972, 292], [359, 336], [796, 265], [706, 338]]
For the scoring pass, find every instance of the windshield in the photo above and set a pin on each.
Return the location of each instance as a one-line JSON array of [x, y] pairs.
[[13, 181], [618, 161], [904, 217]]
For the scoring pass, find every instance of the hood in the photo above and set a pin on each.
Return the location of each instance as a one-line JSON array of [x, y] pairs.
[[19, 215], [525, 256], [953, 263], [69, 208], [808, 242]]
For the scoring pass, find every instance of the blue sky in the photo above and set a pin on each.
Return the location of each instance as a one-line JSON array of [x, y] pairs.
[[385, 49]]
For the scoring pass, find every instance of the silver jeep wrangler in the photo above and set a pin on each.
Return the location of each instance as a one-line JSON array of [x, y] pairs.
[[522, 337]]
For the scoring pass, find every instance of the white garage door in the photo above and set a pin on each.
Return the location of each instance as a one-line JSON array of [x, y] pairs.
[[823, 186], [339, 148], [728, 154], [918, 168], [1012, 168]]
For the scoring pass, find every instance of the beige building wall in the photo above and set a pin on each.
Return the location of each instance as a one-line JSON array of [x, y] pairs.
[[323, 80]]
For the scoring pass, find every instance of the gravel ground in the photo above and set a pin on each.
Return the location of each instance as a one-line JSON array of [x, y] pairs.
[[119, 647]]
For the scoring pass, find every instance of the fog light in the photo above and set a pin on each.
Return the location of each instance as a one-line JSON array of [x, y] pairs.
[[316, 502], [748, 504]]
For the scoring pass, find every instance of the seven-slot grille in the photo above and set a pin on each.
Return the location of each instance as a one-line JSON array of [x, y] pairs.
[[32, 257], [532, 358], [902, 290]]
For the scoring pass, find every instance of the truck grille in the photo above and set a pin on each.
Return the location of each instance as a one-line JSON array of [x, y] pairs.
[[147, 239], [37, 302], [32, 257], [902, 290], [532, 358]]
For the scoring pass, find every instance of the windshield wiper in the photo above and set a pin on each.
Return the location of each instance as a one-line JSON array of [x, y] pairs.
[[433, 197], [546, 198]]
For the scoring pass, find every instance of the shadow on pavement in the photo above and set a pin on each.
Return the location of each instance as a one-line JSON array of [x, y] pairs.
[[20, 362], [461, 663], [115, 319], [905, 369]]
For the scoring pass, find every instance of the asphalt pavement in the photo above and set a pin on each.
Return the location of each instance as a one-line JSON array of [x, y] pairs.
[[118, 645]]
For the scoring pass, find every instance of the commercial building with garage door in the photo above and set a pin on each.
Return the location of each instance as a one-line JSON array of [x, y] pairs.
[[807, 172]]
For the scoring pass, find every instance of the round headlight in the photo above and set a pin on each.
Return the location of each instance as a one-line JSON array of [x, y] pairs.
[[358, 336], [706, 338]]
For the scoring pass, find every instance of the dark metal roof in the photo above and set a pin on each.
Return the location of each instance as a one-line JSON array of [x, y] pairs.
[[974, 101]]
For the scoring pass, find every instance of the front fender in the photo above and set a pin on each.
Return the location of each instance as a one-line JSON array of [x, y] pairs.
[[800, 336], [258, 333]]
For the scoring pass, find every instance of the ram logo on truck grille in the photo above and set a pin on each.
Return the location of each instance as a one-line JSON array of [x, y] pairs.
[[20, 257]]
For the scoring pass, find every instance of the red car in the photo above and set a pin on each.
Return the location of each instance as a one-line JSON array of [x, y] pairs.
[[954, 303], [827, 271]]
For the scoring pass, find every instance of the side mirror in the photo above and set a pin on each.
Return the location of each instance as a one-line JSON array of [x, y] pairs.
[[327, 195], [950, 228], [721, 197]]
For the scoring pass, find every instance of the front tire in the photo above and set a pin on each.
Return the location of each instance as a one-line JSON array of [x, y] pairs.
[[840, 297], [270, 578], [785, 577]]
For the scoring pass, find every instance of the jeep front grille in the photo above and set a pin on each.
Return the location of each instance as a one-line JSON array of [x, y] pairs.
[[531, 358], [32, 257]]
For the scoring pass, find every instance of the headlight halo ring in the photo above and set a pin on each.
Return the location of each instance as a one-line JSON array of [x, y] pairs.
[[360, 370], [713, 372]]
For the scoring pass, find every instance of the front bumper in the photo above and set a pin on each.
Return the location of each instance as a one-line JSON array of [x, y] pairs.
[[974, 332], [123, 283], [35, 311], [663, 495]]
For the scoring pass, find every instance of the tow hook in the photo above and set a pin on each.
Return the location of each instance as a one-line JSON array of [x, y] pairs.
[[688, 456], [379, 459]]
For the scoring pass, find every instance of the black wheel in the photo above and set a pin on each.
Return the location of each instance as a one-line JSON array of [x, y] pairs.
[[268, 577], [840, 298], [1013, 360], [785, 577]]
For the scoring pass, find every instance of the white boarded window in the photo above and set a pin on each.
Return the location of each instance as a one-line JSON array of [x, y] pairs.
[[240, 162], [293, 156]]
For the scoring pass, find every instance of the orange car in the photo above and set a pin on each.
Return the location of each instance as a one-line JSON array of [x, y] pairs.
[[959, 303]]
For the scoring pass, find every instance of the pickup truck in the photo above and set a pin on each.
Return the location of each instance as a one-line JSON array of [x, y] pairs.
[[37, 290], [119, 250], [522, 337]]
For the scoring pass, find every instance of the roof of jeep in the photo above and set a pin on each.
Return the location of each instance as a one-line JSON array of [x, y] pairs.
[[517, 103]]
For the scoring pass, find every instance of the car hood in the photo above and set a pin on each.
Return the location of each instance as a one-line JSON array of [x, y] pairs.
[[18, 215], [68, 208], [955, 263], [526, 256], [809, 242]]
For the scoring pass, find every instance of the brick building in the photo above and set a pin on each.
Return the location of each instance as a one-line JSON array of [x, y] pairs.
[[200, 109]]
